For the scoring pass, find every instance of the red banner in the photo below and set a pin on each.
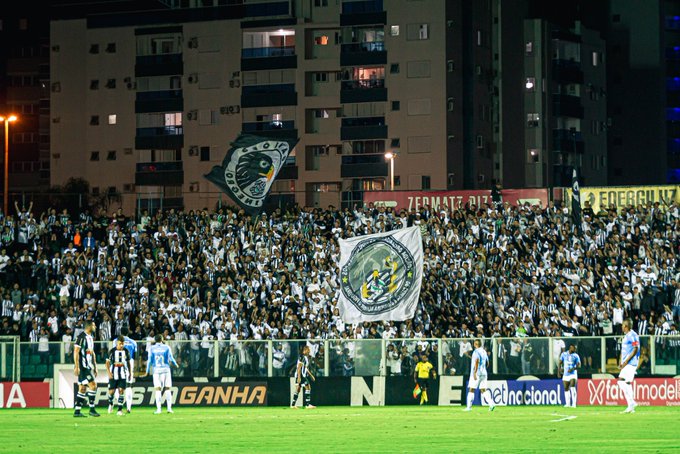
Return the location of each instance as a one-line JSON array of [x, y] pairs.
[[24, 395], [446, 200], [664, 392]]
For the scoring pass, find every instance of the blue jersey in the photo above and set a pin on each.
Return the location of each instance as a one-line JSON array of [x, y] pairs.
[[630, 341], [130, 346], [569, 361], [160, 358], [480, 355]]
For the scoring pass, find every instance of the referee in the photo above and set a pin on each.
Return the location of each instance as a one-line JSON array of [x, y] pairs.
[[421, 375]]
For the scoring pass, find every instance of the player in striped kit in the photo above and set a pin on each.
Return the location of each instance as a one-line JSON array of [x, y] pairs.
[[478, 377], [85, 369], [160, 359], [569, 362], [118, 367], [302, 376], [131, 347]]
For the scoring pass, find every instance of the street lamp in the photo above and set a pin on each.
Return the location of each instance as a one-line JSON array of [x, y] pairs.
[[390, 157], [7, 120]]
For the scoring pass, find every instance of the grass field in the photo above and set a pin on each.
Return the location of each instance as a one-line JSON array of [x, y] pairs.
[[345, 429]]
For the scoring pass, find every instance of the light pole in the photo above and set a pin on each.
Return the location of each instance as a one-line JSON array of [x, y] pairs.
[[390, 157], [7, 120]]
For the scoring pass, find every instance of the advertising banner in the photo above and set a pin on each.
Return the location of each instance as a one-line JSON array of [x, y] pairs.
[[663, 392], [447, 200], [197, 394], [621, 196], [24, 395], [524, 392]]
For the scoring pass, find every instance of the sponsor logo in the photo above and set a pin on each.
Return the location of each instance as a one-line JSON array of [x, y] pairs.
[[378, 275], [530, 392], [199, 394], [646, 391], [24, 395]]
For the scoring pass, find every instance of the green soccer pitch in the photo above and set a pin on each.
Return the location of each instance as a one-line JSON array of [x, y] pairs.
[[332, 430]]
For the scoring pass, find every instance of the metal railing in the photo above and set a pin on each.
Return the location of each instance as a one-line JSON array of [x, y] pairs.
[[349, 357]]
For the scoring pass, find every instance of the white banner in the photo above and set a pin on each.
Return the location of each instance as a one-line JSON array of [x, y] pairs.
[[380, 276]]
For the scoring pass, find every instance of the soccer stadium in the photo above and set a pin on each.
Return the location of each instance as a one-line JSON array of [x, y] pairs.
[[340, 225]]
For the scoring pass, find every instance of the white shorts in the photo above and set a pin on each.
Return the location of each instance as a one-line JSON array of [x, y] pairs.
[[628, 373], [570, 377], [162, 380], [480, 383]]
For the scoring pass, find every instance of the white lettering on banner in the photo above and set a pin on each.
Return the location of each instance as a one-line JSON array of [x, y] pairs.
[[360, 391], [607, 392], [15, 396], [502, 395], [446, 202], [450, 390]]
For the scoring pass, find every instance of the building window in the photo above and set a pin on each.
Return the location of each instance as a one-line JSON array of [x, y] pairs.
[[394, 30], [425, 181], [449, 104], [111, 48], [450, 66], [23, 24], [417, 32], [205, 153], [394, 68], [94, 48], [111, 83], [94, 120], [533, 120], [479, 37], [533, 156], [94, 85], [530, 84], [321, 77], [112, 119], [529, 48], [320, 2], [616, 18], [321, 40], [395, 143], [596, 58], [111, 155], [94, 156], [397, 180], [396, 105]]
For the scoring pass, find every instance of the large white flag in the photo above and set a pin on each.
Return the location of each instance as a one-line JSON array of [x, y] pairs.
[[380, 276]]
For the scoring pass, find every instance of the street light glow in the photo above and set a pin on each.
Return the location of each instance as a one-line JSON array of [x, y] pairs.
[[389, 155]]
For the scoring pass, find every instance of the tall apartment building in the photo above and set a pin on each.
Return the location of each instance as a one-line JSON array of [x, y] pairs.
[[145, 103], [550, 98], [24, 82]]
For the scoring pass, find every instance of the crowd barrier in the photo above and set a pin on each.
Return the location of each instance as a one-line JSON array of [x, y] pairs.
[[20, 361]]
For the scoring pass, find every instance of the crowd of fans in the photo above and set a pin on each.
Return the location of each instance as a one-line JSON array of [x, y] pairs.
[[497, 270]]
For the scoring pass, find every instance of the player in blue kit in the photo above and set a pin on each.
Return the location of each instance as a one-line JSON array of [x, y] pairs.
[[569, 362], [131, 347], [160, 359], [630, 355], [478, 377]]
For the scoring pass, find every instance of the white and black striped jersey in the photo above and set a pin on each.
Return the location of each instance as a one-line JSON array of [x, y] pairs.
[[302, 368], [119, 363], [85, 343]]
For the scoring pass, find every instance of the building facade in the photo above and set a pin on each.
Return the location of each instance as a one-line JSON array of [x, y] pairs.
[[144, 104]]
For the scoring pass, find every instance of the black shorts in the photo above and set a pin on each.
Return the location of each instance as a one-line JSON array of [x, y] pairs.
[[423, 383], [117, 384], [85, 376], [303, 382]]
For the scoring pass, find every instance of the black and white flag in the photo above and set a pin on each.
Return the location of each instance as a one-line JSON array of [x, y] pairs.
[[380, 276], [250, 168], [576, 203]]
